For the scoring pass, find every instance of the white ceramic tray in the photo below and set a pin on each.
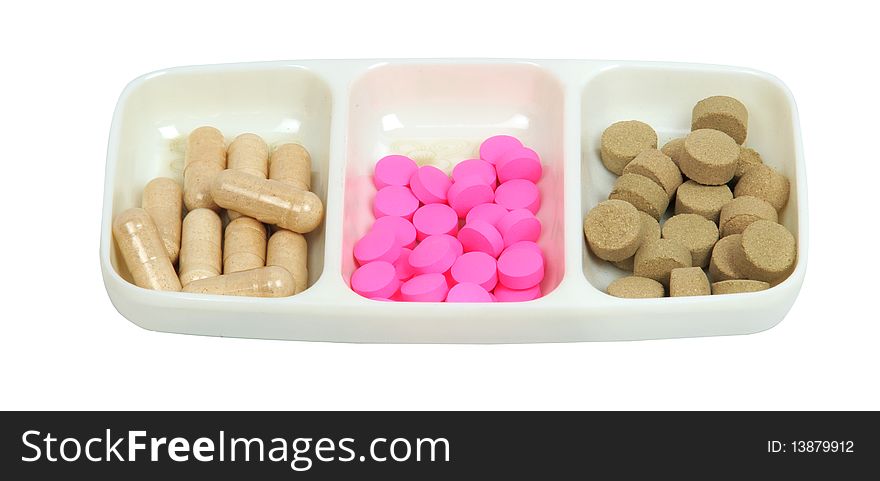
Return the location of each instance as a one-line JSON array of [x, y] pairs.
[[349, 113]]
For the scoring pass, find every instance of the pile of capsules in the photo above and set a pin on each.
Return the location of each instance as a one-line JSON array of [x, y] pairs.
[[468, 238], [253, 187]]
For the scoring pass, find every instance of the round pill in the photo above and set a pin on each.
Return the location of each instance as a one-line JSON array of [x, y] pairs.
[[524, 245], [696, 233], [726, 262], [725, 114], [739, 213], [738, 286], [393, 170], [688, 281], [402, 266], [643, 193], [489, 212], [519, 225], [634, 287], [519, 163], [748, 158], [435, 254], [657, 259], [765, 183], [395, 200], [769, 251], [403, 229], [425, 288], [377, 245], [672, 149], [709, 157], [658, 167], [705, 200], [435, 219], [467, 193], [613, 230], [506, 294], [493, 147], [481, 236], [518, 194], [468, 292], [430, 184], [622, 141], [475, 167], [650, 233], [477, 268], [375, 279], [456, 245], [520, 268]]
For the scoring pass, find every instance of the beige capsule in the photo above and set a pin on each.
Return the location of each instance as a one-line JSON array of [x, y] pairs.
[[709, 157], [143, 251], [205, 157], [291, 164], [688, 281], [740, 212], [270, 281], [269, 201], [642, 192], [248, 153], [244, 245], [201, 246], [622, 141], [722, 113], [634, 287], [163, 201], [657, 259], [705, 200], [291, 251]]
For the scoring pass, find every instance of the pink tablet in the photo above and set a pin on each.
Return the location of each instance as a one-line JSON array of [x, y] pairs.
[[435, 219], [429, 184], [504, 294], [519, 225], [377, 245], [393, 170], [467, 193], [478, 168], [476, 268], [493, 147], [403, 229], [395, 200], [489, 212], [519, 163], [518, 194], [435, 254], [520, 268], [467, 292], [481, 236], [375, 280], [425, 288]]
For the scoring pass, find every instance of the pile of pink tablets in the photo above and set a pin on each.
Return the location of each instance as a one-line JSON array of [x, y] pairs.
[[471, 238]]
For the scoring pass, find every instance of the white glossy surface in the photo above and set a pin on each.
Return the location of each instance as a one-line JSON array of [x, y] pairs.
[[350, 112]]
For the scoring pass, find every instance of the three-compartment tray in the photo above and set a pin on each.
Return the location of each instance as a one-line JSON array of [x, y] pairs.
[[349, 113]]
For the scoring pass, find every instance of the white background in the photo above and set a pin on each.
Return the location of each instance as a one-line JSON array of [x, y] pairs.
[[63, 346]]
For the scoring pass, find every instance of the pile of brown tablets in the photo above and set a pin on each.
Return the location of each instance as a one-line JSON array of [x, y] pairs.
[[259, 191], [726, 205]]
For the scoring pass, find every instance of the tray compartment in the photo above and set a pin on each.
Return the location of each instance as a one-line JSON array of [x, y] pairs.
[[663, 97], [450, 108], [156, 112]]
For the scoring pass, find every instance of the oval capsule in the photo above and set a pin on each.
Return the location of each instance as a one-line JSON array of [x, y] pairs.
[[291, 164], [143, 251], [200, 246], [205, 157], [270, 281], [269, 201], [244, 245], [163, 201], [290, 250]]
